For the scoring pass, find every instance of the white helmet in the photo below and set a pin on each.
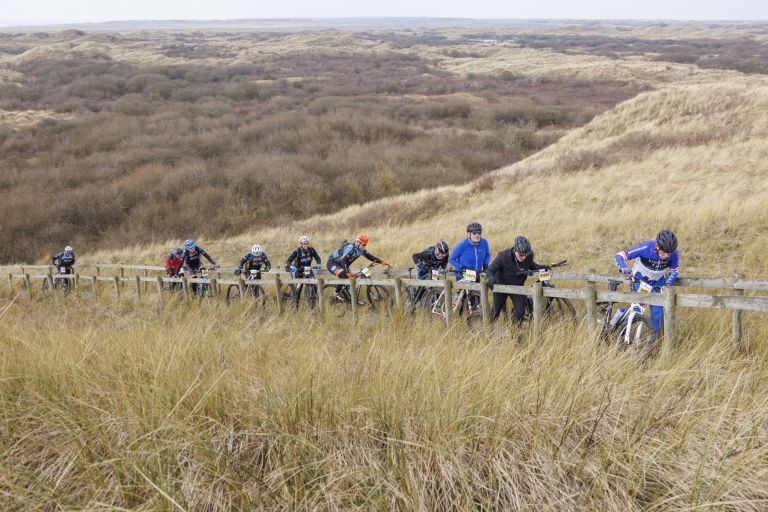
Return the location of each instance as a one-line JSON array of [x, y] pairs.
[[68, 249], [303, 238], [256, 250]]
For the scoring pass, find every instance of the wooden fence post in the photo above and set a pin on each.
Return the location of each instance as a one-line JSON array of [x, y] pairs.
[[94, 280], [137, 279], [737, 330], [320, 298], [484, 306], [669, 319], [353, 298], [98, 271], [448, 293], [215, 287], [590, 300], [75, 284], [116, 281], [398, 292], [10, 281], [538, 304], [122, 274], [159, 284], [185, 287], [241, 287], [146, 283], [279, 295], [28, 285], [50, 280]]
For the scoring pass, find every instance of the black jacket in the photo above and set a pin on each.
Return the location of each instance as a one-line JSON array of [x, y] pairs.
[[505, 269], [428, 260]]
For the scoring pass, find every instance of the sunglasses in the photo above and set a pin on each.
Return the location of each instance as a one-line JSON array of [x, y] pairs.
[[476, 233]]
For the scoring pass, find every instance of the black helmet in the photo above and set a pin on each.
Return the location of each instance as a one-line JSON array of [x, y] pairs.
[[666, 240], [178, 251], [442, 246], [474, 226], [523, 246]]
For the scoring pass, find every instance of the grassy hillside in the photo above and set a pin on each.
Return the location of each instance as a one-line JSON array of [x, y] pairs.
[[117, 404]]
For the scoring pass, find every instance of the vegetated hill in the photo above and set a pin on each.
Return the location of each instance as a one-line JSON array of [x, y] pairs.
[[689, 157], [125, 138]]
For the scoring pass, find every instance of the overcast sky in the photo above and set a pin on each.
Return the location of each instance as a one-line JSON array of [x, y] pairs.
[[57, 11]]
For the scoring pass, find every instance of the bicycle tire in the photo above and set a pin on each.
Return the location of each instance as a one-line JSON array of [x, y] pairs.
[[233, 294], [379, 298], [641, 333], [430, 301], [290, 296], [310, 296], [559, 308], [412, 298]]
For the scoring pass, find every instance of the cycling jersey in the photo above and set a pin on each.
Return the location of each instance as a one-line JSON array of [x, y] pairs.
[[193, 261], [648, 263], [63, 259], [251, 262], [427, 260], [171, 264], [303, 257], [346, 255], [468, 256]]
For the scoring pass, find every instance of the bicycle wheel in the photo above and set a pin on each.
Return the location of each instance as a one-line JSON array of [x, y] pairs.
[[290, 296], [310, 296], [412, 294], [432, 301], [640, 333], [233, 294], [559, 309], [378, 298]]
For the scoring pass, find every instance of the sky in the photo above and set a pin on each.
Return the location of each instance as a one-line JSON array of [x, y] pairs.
[[73, 11]]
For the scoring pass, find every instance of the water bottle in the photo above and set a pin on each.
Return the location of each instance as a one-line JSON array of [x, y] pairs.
[[617, 316]]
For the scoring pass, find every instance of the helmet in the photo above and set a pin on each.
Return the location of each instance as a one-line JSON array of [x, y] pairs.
[[442, 247], [256, 250], [178, 251], [189, 244], [303, 239], [474, 226], [68, 249], [362, 238], [666, 240], [523, 246]]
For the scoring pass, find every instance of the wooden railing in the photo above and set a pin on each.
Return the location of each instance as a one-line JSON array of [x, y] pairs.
[[148, 277]]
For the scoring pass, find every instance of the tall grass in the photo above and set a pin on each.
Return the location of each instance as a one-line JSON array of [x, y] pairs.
[[207, 408]]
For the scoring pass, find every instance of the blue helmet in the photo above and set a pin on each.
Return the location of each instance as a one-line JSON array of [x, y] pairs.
[[189, 244]]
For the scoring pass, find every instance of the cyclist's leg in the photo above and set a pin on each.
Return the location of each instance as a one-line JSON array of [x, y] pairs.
[[519, 302], [336, 270], [499, 304]]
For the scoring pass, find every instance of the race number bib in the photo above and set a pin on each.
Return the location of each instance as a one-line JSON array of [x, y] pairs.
[[644, 287], [470, 275], [544, 275], [366, 272], [435, 275]]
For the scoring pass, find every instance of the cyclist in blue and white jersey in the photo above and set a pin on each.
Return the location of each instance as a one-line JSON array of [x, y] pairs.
[[191, 258], [652, 261], [472, 253]]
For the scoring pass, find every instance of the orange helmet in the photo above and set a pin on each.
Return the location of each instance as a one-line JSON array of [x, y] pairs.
[[362, 238]]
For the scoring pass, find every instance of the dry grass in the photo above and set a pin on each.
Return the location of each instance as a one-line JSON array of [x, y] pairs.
[[155, 407]]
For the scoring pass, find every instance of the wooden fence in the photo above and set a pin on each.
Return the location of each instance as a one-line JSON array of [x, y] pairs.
[[144, 278]]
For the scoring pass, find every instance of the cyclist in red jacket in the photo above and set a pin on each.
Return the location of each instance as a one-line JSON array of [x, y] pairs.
[[173, 261]]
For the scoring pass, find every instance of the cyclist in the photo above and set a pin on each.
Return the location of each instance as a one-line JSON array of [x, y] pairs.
[[172, 261], [432, 258], [254, 260], [511, 266], [339, 262], [64, 260], [302, 257], [472, 253], [652, 260], [191, 258]]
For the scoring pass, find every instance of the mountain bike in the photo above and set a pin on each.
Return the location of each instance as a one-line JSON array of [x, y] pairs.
[[414, 295], [378, 296], [463, 302], [254, 291], [554, 307], [292, 293], [60, 284], [199, 289], [626, 326]]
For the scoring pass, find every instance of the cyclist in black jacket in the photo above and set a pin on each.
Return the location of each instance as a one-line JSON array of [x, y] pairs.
[[511, 266], [302, 257], [432, 258]]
